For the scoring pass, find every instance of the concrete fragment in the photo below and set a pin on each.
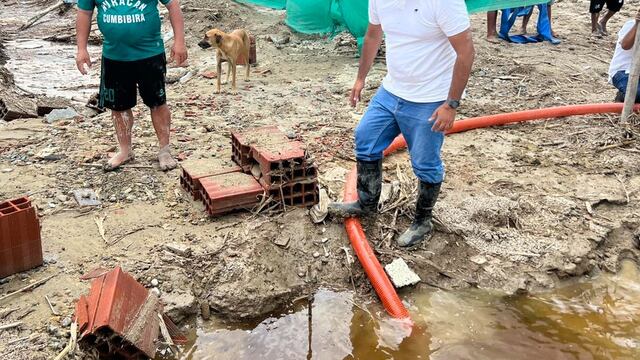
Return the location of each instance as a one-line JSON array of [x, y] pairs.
[[179, 249], [61, 114], [478, 259], [179, 305], [400, 273]]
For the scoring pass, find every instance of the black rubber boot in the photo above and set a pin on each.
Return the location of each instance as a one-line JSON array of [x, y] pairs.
[[369, 188], [422, 226], [619, 97]]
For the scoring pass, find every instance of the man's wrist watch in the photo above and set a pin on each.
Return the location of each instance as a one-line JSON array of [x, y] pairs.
[[454, 104]]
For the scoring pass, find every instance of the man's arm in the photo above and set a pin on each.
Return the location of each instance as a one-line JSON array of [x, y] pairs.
[[83, 28], [629, 40], [372, 42], [463, 46], [179, 49]]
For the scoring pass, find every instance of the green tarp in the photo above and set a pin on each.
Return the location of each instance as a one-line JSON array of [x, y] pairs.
[[310, 16], [487, 5], [325, 16], [273, 4]]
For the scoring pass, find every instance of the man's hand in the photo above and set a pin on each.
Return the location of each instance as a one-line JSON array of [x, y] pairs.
[[638, 17], [82, 59], [179, 53], [443, 118], [356, 92]]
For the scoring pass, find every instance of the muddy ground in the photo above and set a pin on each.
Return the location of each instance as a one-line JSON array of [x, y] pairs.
[[523, 206]]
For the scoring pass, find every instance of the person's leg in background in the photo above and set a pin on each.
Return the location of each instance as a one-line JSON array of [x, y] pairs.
[[492, 22], [425, 146], [595, 7], [375, 132], [613, 6], [549, 7], [525, 23]]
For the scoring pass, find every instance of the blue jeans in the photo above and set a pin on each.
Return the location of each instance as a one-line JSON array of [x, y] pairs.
[[387, 117], [620, 80]]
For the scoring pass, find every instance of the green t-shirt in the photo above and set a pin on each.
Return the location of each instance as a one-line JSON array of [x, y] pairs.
[[131, 28]]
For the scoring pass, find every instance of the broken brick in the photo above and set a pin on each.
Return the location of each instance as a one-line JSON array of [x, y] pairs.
[[20, 241]]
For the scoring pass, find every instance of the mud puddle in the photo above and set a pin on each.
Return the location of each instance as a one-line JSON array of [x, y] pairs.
[[45, 68], [590, 319]]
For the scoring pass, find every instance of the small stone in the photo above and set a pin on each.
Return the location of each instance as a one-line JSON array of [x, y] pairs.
[[52, 329], [301, 274], [155, 291], [570, 268], [155, 282], [316, 254], [400, 273], [62, 198], [7, 170], [52, 205], [478, 259], [66, 322]]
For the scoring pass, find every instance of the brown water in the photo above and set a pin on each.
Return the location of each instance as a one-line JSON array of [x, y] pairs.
[[591, 319]]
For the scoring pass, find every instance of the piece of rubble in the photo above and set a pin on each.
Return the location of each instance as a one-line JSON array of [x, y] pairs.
[[120, 319], [400, 273], [86, 197], [180, 305], [320, 210], [61, 114], [179, 249], [14, 108], [478, 259], [45, 106]]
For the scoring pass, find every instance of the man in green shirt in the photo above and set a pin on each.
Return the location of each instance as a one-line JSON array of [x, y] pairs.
[[133, 59]]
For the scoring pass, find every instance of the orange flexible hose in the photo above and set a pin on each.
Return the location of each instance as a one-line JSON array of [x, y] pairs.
[[379, 279]]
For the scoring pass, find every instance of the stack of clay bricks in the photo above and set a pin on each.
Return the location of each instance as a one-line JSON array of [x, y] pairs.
[[267, 166], [20, 242]]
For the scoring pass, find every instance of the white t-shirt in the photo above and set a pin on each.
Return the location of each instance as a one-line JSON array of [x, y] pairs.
[[622, 58], [420, 58]]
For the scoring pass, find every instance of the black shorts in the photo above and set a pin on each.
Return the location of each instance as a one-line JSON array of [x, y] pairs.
[[612, 5], [120, 79]]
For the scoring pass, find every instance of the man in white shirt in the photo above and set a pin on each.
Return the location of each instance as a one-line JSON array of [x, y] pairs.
[[430, 53], [623, 57]]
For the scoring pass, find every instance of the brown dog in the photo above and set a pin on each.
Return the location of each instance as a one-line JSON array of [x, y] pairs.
[[229, 47]]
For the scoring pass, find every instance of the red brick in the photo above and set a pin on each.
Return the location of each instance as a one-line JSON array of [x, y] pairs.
[[119, 317], [283, 163], [228, 192], [195, 170], [241, 143], [20, 242]]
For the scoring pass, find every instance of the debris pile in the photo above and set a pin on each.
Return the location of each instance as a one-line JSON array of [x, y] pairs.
[[20, 242], [120, 318], [270, 167]]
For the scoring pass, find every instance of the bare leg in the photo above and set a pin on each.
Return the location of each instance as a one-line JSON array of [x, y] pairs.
[[492, 21], [525, 23], [595, 28], [247, 70], [605, 19], [123, 124], [161, 117]]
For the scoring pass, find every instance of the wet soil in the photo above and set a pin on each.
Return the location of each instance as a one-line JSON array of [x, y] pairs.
[[523, 207]]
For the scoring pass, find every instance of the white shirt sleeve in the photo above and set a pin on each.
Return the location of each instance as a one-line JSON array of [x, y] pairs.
[[452, 17], [625, 30], [373, 13]]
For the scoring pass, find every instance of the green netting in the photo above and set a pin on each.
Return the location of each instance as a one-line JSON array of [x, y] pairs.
[[310, 16], [487, 5], [324, 16], [355, 15], [274, 4]]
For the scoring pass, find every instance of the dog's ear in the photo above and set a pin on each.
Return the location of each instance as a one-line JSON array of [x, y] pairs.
[[218, 38]]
